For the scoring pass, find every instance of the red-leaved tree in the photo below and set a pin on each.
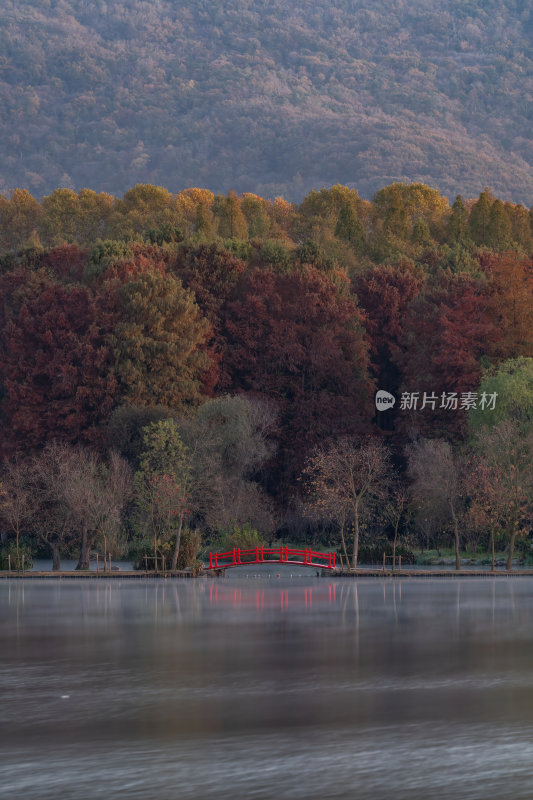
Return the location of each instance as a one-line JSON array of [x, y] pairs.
[[298, 339], [56, 364]]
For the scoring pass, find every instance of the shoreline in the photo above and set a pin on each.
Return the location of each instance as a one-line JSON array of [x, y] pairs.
[[90, 574], [358, 573]]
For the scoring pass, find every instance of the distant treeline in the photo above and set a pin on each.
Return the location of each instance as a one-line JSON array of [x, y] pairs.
[[121, 315], [404, 219]]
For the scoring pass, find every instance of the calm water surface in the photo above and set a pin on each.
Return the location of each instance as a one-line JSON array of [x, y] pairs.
[[253, 687]]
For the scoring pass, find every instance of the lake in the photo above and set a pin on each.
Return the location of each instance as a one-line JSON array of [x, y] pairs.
[[258, 687]]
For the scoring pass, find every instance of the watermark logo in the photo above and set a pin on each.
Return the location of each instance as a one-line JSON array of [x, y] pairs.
[[384, 400], [447, 401]]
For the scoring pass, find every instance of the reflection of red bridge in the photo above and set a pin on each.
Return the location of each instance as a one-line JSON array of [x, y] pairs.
[[271, 598], [271, 555]]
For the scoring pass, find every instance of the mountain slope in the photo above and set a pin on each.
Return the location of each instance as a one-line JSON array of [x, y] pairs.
[[265, 96]]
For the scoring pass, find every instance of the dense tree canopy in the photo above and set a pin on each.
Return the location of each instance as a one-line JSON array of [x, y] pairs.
[[56, 365], [297, 339], [258, 332]]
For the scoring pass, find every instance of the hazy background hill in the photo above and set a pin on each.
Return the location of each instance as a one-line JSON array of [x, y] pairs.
[[265, 96]]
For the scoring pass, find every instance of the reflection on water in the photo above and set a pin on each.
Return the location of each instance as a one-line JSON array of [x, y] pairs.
[[45, 565], [256, 687]]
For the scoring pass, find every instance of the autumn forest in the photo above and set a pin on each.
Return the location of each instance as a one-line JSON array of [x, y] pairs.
[[184, 369]]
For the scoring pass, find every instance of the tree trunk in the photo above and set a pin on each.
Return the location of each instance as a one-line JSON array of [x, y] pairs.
[[456, 535], [492, 565], [56, 558], [394, 544], [344, 544], [512, 541], [355, 536], [54, 547], [177, 546], [83, 561]]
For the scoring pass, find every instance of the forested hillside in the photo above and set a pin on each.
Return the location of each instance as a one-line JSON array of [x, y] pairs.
[[269, 97]]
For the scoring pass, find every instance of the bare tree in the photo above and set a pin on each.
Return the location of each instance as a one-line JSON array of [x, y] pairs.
[[78, 495], [235, 501], [394, 508], [33, 501], [505, 486], [95, 494], [347, 476], [438, 484], [53, 523], [17, 506]]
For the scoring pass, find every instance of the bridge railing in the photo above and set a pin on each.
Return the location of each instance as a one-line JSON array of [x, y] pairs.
[[272, 555]]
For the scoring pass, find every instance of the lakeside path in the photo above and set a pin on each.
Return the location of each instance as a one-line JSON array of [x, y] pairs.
[[358, 573]]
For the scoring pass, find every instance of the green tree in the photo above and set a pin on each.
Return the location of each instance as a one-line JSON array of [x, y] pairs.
[[329, 213], [502, 436], [163, 485], [104, 253], [61, 210], [511, 385], [401, 205], [231, 220], [457, 228], [158, 343], [204, 223], [349, 227], [195, 211], [75, 218], [143, 207], [459, 257], [522, 232], [479, 221], [244, 537], [421, 234], [19, 220], [125, 429], [229, 439], [255, 209], [95, 209], [499, 232], [392, 208]]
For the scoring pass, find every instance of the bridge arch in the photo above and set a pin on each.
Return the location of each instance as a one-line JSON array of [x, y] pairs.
[[304, 557]]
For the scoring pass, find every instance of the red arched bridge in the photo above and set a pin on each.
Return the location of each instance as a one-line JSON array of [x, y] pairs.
[[271, 555]]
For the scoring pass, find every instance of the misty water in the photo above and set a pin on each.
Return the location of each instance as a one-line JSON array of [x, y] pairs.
[[258, 687]]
